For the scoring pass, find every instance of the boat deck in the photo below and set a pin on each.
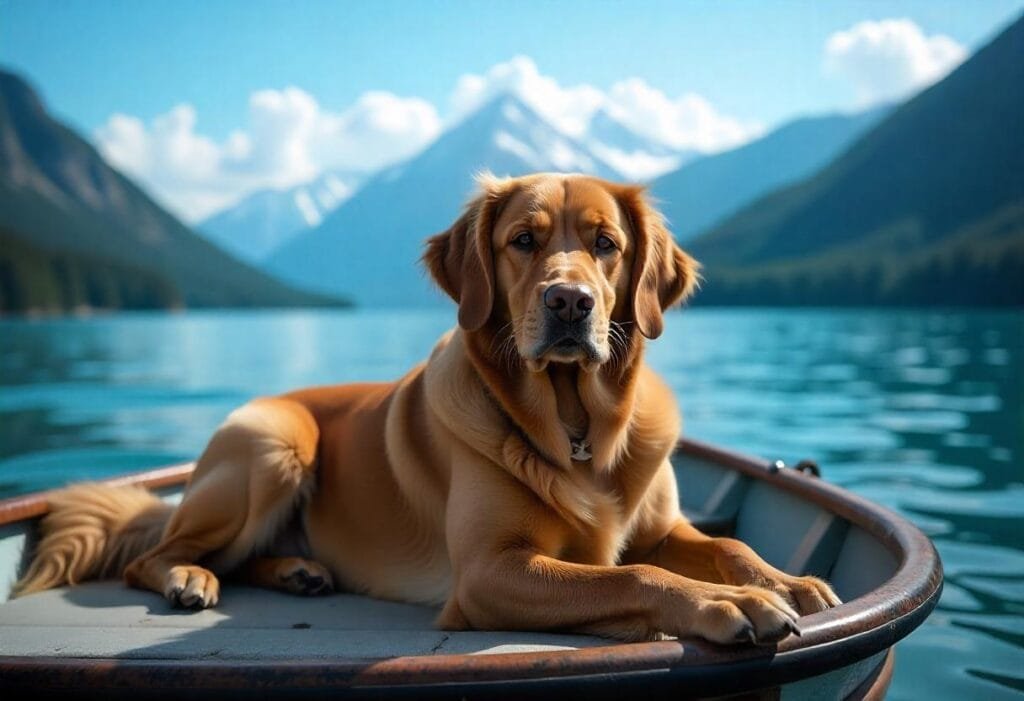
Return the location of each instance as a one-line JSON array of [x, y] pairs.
[[109, 620]]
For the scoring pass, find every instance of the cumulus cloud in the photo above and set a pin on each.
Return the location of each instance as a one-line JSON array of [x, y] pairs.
[[289, 139], [569, 108], [380, 128], [889, 59], [685, 122]]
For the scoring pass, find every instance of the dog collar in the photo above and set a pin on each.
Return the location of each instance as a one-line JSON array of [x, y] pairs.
[[580, 449]]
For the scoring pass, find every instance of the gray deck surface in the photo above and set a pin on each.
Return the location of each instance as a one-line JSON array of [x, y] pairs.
[[107, 619]]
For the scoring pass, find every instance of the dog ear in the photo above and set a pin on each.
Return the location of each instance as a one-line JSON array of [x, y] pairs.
[[461, 259], [663, 274]]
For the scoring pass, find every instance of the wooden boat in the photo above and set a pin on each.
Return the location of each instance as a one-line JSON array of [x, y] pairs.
[[104, 640]]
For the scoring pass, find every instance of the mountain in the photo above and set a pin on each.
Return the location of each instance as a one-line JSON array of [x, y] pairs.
[[59, 198], [707, 189], [268, 219], [36, 280], [369, 248], [926, 208], [636, 157]]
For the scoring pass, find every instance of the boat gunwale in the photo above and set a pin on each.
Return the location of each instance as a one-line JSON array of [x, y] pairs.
[[35, 505], [831, 639]]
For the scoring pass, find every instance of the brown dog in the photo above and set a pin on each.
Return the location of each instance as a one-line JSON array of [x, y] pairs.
[[520, 477]]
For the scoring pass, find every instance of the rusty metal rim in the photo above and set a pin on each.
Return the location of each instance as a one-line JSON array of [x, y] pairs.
[[163, 678], [831, 639]]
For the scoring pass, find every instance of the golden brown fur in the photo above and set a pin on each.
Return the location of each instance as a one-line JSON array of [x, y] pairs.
[[458, 485], [94, 531]]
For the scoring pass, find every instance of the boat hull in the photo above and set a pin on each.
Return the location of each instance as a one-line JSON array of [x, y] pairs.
[[101, 637]]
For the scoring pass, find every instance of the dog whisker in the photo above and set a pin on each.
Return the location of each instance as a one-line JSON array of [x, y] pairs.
[[618, 342]]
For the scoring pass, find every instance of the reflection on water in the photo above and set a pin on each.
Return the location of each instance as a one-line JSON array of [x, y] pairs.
[[920, 411]]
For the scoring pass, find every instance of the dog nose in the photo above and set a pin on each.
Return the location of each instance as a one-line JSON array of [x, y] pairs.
[[569, 302]]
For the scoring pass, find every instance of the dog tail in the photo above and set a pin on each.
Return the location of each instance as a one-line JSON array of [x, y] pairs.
[[92, 532]]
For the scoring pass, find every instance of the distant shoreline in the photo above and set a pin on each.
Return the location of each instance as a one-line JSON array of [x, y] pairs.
[[87, 314]]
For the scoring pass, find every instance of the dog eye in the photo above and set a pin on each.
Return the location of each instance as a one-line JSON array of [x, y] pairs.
[[604, 244], [523, 241]]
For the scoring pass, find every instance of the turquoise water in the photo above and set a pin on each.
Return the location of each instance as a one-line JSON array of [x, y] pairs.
[[921, 411]]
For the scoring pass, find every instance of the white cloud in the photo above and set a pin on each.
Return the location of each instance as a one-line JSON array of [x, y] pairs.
[[182, 168], [290, 139], [282, 126], [889, 59], [380, 128], [686, 122], [569, 109]]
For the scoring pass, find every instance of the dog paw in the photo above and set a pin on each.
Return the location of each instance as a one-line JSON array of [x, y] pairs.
[[305, 577], [191, 587], [740, 566], [806, 594], [732, 615]]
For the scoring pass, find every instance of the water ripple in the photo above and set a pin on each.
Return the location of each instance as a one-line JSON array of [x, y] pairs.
[[920, 411]]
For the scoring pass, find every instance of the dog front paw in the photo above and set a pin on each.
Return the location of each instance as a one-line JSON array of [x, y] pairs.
[[731, 615], [806, 594], [739, 565]]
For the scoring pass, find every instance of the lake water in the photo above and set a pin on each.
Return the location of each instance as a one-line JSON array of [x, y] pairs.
[[921, 411]]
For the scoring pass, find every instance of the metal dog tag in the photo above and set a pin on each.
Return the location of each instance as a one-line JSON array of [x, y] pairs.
[[580, 449]]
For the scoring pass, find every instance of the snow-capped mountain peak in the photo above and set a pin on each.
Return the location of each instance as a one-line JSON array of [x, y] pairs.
[[267, 219], [370, 245], [635, 156], [514, 128]]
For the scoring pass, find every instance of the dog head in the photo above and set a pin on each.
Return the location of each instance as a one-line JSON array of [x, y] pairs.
[[561, 265]]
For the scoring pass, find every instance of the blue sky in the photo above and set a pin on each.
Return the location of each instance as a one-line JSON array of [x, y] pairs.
[[755, 63], [760, 60]]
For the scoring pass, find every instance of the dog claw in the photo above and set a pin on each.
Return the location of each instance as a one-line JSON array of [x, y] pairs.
[[191, 587], [187, 601], [746, 633], [790, 627]]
